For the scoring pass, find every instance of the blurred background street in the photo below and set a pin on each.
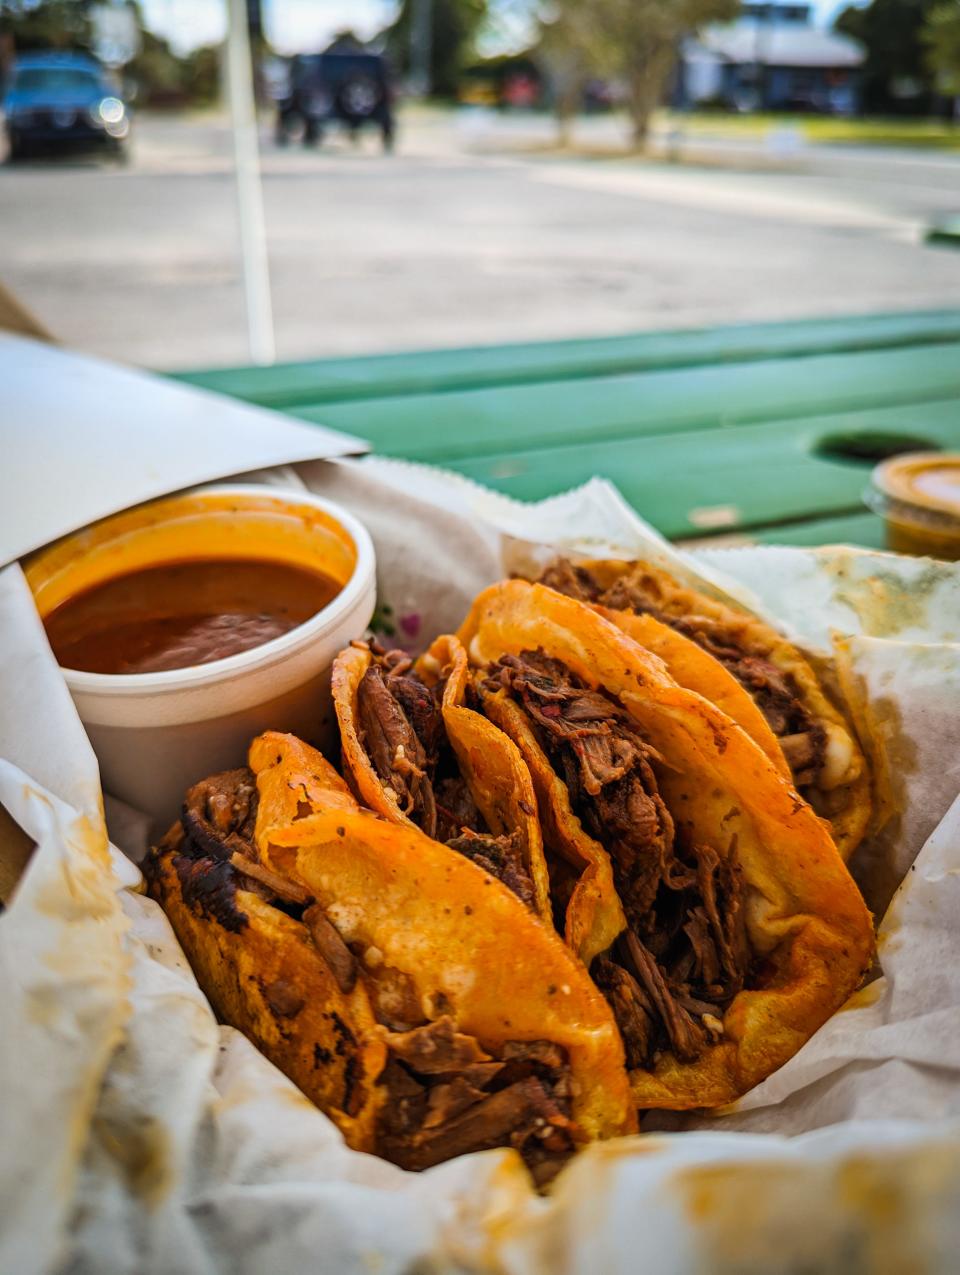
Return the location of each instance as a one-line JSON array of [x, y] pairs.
[[456, 172], [475, 231]]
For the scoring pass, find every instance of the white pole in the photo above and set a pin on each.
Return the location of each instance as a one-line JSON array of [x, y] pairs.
[[253, 242]]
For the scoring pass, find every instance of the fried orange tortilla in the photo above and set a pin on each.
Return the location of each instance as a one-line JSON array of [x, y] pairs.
[[293, 781], [470, 947], [744, 931], [418, 756], [697, 670], [409, 993], [791, 711], [262, 970]]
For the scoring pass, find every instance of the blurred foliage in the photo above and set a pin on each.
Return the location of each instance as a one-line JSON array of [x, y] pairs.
[[633, 41], [164, 79], [156, 71], [161, 76], [46, 24], [896, 74], [203, 75], [941, 36], [455, 26]]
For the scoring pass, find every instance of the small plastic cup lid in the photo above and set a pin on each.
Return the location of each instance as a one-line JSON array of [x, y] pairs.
[[924, 484]]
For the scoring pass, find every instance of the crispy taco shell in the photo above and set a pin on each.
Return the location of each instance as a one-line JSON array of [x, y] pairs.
[[807, 932], [489, 763], [471, 947], [293, 781], [410, 994], [821, 749], [697, 670], [263, 973]]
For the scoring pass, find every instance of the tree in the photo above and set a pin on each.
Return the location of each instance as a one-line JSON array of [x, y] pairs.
[[454, 25], [896, 75], [570, 50], [47, 24], [941, 36], [636, 41], [157, 73]]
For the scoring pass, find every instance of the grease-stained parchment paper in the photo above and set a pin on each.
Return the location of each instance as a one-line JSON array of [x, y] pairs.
[[137, 1135]]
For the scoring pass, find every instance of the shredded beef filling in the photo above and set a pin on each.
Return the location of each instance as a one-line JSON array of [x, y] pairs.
[[401, 728], [447, 1096], [635, 1015], [219, 813], [392, 742], [801, 737], [501, 857], [214, 843], [217, 856], [340, 960], [684, 956]]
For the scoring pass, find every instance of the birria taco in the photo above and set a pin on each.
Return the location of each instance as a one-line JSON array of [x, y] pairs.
[[743, 931], [407, 992], [744, 667], [415, 753]]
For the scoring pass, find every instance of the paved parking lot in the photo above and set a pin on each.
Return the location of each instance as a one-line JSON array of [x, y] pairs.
[[471, 233]]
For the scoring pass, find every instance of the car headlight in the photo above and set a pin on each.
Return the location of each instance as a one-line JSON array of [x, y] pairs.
[[112, 110], [110, 114]]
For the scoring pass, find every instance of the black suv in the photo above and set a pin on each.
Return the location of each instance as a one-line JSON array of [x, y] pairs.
[[352, 89]]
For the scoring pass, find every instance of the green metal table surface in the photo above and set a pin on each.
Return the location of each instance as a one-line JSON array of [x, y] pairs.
[[766, 432]]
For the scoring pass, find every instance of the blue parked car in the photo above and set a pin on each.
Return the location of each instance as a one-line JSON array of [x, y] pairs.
[[62, 101]]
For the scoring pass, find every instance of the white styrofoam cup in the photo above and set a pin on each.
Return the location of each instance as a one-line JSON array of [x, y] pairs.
[[155, 734]]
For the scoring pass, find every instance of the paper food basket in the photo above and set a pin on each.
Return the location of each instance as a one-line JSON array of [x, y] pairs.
[[138, 1135]]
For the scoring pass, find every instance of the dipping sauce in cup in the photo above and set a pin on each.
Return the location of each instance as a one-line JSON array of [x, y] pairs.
[[179, 614], [186, 626], [918, 496]]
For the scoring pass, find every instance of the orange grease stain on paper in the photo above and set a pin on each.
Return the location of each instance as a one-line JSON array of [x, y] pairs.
[[870, 1210], [515, 1213], [142, 1149], [78, 893], [884, 603], [80, 890]]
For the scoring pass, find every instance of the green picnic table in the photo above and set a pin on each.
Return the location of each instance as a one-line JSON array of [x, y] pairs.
[[766, 432]]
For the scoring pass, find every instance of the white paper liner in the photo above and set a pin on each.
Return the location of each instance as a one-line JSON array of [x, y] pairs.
[[136, 1135]]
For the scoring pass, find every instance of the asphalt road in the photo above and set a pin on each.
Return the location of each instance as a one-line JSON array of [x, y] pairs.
[[472, 233]]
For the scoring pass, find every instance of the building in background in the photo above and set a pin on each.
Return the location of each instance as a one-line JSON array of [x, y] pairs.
[[774, 59]]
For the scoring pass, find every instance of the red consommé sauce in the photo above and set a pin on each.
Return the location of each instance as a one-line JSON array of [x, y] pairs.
[[179, 614]]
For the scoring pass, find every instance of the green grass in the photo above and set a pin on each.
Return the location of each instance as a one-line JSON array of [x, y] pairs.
[[814, 128]]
